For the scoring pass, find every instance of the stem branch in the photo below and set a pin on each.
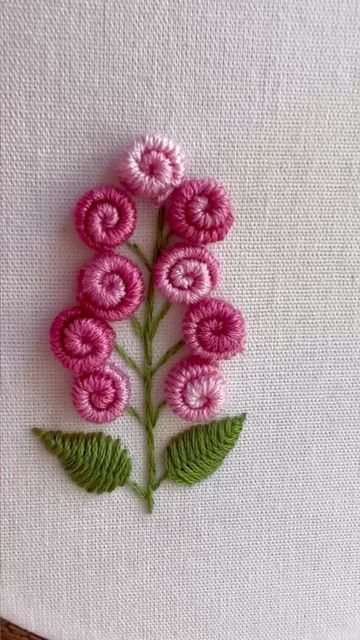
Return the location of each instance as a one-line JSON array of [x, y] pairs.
[[139, 253], [135, 414], [160, 480], [160, 406], [167, 355], [128, 359], [139, 490], [137, 326], [160, 316]]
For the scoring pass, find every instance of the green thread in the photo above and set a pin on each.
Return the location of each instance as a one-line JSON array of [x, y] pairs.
[[166, 237], [128, 359], [160, 406], [139, 490], [160, 480], [168, 354], [135, 414], [196, 453], [139, 253], [94, 461], [160, 316], [149, 330], [137, 326]]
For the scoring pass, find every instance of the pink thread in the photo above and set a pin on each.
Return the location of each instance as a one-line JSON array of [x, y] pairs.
[[214, 329], [81, 343], [199, 211], [151, 166], [101, 396], [110, 287], [185, 274], [195, 389], [105, 217]]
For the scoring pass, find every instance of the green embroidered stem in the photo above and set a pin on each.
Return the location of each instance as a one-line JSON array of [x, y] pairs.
[[167, 355], [150, 326], [139, 253], [140, 491], [160, 480], [137, 326], [160, 316], [132, 412], [128, 359], [160, 406], [146, 332]]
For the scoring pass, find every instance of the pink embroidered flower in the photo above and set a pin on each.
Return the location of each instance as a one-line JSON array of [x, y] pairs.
[[195, 389], [214, 329], [185, 274], [151, 167], [199, 211], [110, 287], [101, 396], [80, 342], [105, 217]]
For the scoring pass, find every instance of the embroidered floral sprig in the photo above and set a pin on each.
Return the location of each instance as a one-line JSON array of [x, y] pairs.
[[111, 288]]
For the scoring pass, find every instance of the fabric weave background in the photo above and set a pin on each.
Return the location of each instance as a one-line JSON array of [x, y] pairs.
[[263, 95]]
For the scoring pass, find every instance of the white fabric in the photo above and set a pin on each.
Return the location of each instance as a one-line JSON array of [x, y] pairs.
[[264, 96]]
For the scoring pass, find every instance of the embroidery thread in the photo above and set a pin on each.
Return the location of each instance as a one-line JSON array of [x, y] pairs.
[[111, 288]]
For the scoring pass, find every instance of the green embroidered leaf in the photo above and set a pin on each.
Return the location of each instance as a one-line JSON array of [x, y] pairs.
[[196, 453], [94, 461]]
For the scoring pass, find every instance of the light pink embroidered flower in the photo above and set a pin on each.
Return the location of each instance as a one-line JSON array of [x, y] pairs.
[[185, 274], [101, 396], [81, 343], [214, 329], [110, 287], [199, 211], [105, 217], [195, 389], [151, 167]]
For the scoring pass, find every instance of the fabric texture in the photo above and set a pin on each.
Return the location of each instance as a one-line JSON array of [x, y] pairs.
[[264, 97]]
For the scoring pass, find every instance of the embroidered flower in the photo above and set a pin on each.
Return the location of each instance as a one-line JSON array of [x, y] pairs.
[[214, 329], [110, 287], [185, 274], [151, 167], [195, 389], [81, 343], [105, 217], [199, 211], [101, 396]]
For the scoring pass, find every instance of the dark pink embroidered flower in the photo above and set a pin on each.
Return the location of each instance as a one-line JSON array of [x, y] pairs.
[[195, 389], [151, 167], [79, 342], [199, 211], [185, 274], [101, 396], [110, 287], [214, 329], [105, 217]]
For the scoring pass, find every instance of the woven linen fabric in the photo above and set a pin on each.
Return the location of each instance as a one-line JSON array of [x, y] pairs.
[[264, 96]]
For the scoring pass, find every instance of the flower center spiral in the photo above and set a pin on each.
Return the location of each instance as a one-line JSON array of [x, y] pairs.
[[195, 394], [103, 397], [77, 341], [156, 166], [108, 215], [112, 290], [190, 273], [200, 212]]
